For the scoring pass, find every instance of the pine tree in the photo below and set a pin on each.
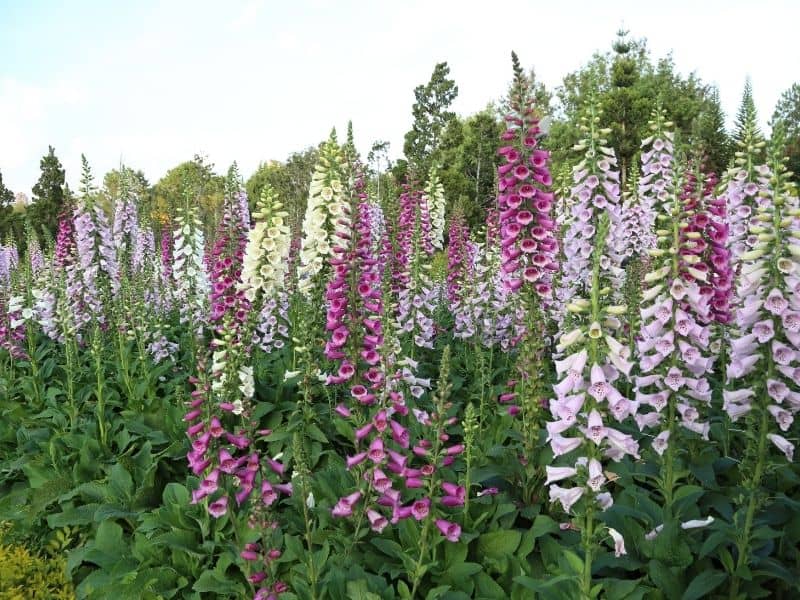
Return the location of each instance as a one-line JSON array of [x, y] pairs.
[[787, 116], [621, 103], [747, 117], [431, 118], [48, 195], [711, 128], [6, 195], [6, 208]]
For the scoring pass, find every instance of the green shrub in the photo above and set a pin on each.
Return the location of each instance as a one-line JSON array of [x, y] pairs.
[[28, 576]]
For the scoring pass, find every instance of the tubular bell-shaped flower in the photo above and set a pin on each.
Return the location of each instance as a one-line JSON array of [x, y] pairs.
[[189, 268], [763, 374], [637, 220], [266, 254], [325, 210], [525, 202], [417, 295], [741, 186], [434, 197], [672, 347], [595, 364], [596, 192]]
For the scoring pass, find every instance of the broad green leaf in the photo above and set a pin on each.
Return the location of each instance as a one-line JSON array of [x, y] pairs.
[[499, 544], [704, 583]]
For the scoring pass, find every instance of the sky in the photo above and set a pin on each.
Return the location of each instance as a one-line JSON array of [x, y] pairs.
[[150, 84]]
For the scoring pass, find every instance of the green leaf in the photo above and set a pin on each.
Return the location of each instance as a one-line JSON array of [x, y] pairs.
[[81, 515], [542, 525], [437, 592], [358, 590], [622, 589], [712, 543], [665, 579], [463, 570], [176, 494], [574, 561], [703, 584], [486, 587], [499, 544], [213, 582], [315, 433], [388, 547], [455, 553]]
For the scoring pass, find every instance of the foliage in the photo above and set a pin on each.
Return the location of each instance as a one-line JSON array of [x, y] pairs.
[[787, 112], [27, 576], [48, 195], [194, 179], [593, 394], [289, 179], [431, 118], [627, 108], [469, 158]]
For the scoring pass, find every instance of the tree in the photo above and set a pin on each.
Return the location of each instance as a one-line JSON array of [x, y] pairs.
[[623, 107], [289, 179], [378, 156], [431, 118], [787, 114], [191, 182], [6, 195], [6, 209], [469, 162], [629, 86], [747, 116], [711, 130], [542, 98], [48, 195]]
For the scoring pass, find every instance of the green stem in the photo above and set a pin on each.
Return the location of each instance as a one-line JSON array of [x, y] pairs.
[[588, 532], [423, 547], [34, 367], [743, 545]]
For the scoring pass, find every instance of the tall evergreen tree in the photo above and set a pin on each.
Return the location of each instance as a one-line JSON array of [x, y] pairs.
[[542, 98], [747, 117], [628, 85], [6, 208], [469, 159], [6, 195], [48, 195], [787, 115], [621, 104], [711, 128], [431, 118]]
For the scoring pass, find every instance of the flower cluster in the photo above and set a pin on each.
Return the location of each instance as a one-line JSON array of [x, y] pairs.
[[325, 208], [528, 241], [266, 256], [674, 336], [764, 368], [588, 393], [435, 200]]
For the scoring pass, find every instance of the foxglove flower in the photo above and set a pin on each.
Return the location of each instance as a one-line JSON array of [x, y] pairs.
[[435, 200], [325, 215], [765, 355], [595, 364], [672, 347], [525, 202]]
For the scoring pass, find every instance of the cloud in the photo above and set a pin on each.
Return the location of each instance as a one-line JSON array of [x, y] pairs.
[[27, 113], [247, 16]]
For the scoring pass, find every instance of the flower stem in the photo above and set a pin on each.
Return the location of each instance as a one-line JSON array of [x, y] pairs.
[[743, 544]]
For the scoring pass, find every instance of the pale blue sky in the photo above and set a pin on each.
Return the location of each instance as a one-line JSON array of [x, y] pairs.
[[151, 83]]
